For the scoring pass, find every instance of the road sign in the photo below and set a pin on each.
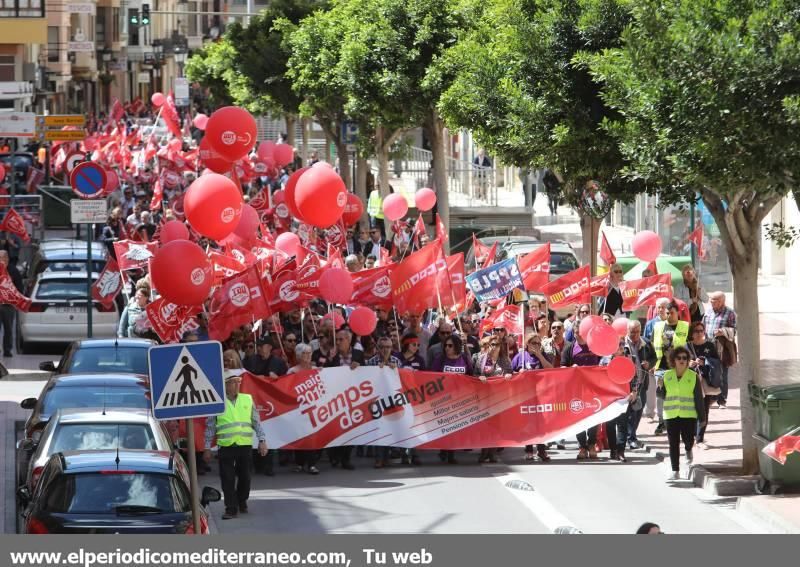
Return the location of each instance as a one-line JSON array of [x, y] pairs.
[[181, 91], [63, 135], [186, 380], [17, 124], [349, 132], [60, 120], [88, 180], [72, 161], [84, 211]]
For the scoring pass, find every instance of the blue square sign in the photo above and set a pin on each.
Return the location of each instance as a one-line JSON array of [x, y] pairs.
[[186, 380]]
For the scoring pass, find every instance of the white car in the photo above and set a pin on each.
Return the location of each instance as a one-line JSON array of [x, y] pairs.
[[58, 311]]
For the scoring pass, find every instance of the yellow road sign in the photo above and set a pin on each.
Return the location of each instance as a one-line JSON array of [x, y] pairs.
[[63, 120], [64, 135]]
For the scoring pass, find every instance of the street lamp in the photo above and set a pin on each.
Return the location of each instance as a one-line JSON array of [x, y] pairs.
[[180, 59]]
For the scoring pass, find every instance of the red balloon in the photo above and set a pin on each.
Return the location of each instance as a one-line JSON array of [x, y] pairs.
[[288, 192], [247, 229], [232, 132], [587, 323], [352, 210], [213, 205], [200, 121], [336, 317], [425, 199], [181, 273], [395, 206], [646, 245], [336, 286], [621, 326], [173, 230], [278, 197], [288, 243], [158, 99], [112, 181], [320, 196], [284, 154], [266, 151], [211, 159], [621, 370], [603, 340], [363, 321], [2, 172]]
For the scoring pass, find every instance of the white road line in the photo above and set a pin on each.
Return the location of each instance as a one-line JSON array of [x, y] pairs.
[[535, 502]]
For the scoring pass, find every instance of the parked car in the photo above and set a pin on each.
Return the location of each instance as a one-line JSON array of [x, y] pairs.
[[116, 492], [102, 355], [58, 311], [77, 391], [63, 255], [562, 257], [502, 242], [94, 429]]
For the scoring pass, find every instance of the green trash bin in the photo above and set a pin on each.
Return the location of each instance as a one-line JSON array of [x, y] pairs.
[[785, 475], [56, 213], [777, 409]]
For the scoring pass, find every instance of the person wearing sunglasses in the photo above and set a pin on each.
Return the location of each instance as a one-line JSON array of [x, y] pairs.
[[452, 360], [533, 358], [684, 407], [705, 361], [554, 344], [436, 346], [571, 325], [671, 333], [493, 362], [612, 302], [409, 356]]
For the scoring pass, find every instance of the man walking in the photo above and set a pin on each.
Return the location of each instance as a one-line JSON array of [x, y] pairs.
[[720, 322], [667, 335], [7, 312], [234, 430]]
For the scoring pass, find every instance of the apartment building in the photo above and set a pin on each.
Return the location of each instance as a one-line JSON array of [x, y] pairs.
[[23, 30]]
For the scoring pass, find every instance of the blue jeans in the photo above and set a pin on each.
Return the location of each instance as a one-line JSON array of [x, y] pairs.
[[723, 395]]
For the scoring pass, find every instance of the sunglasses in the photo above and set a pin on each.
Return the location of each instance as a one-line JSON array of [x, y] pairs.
[[450, 345], [681, 357], [617, 271], [498, 330], [290, 340], [698, 330], [534, 342], [445, 333]]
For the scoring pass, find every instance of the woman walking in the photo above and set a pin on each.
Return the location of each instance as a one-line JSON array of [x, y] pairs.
[[533, 358], [493, 362], [684, 407], [705, 361]]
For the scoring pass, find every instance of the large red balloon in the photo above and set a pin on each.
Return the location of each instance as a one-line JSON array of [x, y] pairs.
[[288, 243], [363, 321], [266, 151], [232, 132], [211, 159], [173, 230], [158, 99], [621, 326], [621, 370], [352, 210], [587, 323], [395, 206], [335, 317], [336, 286], [181, 273], [112, 181], [646, 245], [284, 154], [247, 229], [213, 205], [200, 121], [603, 339], [425, 199], [288, 192], [320, 196]]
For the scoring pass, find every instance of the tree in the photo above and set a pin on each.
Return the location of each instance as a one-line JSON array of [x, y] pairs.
[[709, 91], [521, 91], [212, 67]]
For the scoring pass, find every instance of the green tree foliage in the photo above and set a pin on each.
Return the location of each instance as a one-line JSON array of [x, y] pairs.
[[212, 67]]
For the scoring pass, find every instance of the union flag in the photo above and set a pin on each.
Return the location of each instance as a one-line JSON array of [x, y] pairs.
[[569, 289]]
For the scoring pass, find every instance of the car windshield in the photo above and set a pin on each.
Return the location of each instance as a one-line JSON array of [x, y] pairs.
[[87, 436], [108, 359], [75, 265], [61, 289], [95, 396], [562, 263], [104, 492]]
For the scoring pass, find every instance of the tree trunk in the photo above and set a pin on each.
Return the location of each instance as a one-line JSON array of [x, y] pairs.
[[305, 140], [344, 163], [739, 231], [362, 169], [382, 154], [291, 120], [434, 127], [590, 233]]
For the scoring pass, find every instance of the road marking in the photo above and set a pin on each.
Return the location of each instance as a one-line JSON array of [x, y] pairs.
[[545, 512]]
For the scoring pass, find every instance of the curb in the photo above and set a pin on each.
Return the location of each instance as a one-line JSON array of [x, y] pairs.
[[755, 509]]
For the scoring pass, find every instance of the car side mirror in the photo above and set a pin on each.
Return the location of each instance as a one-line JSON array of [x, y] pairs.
[[27, 444], [47, 366], [24, 495], [210, 494], [28, 403]]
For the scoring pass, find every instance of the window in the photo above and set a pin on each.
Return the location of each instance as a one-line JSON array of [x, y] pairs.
[[115, 16], [96, 396], [52, 44], [22, 9], [192, 15], [100, 27], [7, 68], [95, 436], [112, 359], [61, 289]]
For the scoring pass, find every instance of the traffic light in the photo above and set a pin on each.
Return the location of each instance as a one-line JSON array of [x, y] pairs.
[[135, 18], [145, 14]]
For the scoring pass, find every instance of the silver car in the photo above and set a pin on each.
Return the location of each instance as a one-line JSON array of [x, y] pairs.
[[91, 429]]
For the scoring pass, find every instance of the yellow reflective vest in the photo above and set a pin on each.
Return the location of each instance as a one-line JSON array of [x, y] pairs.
[[235, 426], [375, 204], [679, 401], [679, 339]]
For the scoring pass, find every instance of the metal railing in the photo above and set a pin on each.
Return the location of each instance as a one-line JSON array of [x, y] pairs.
[[22, 8]]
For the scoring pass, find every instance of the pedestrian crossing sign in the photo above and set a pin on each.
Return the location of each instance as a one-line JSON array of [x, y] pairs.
[[186, 380]]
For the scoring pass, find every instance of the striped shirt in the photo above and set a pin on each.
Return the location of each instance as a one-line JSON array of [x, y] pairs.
[[714, 320]]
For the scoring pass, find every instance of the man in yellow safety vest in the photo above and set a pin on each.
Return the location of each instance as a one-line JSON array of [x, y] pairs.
[[234, 430]]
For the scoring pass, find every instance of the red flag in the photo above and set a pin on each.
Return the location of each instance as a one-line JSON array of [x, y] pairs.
[[225, 266], [240, 300], [509, 317], [169, 321], [308, 275], [569, 289], [35, 178], [108, 284], [158, 196], [15, 224], [337, 235], [535, 268], [286, 295], [335, 258], [419, 229], [9, 294], [457, 296], [599, 285], [783, 446], [384, 259], [117, 111], [134, 255], [441, 230], [606, 254], [372, 288], [652, 268], [170, 115], [416, 284], [261, 201], [637, 293], [696, 238]]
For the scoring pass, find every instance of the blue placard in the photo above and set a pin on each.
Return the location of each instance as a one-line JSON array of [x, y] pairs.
[[186, 380], [496, 281]]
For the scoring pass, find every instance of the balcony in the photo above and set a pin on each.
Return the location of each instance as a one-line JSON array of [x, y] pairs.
[[23, 22], [22, 9]]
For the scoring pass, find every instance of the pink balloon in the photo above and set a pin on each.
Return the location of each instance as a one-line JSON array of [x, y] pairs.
[[425, 199], [336, 317], [587, 323], [621, 326], [288, 192], [288, 243], [175, 144], [266, 151], [646, 245], [603, 340], [200, 121], [157, 99], [247, 229], [336, 286], [621, 370], [173, 230], [363, 321], [284, 154], [321, 164], [395, 207]]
